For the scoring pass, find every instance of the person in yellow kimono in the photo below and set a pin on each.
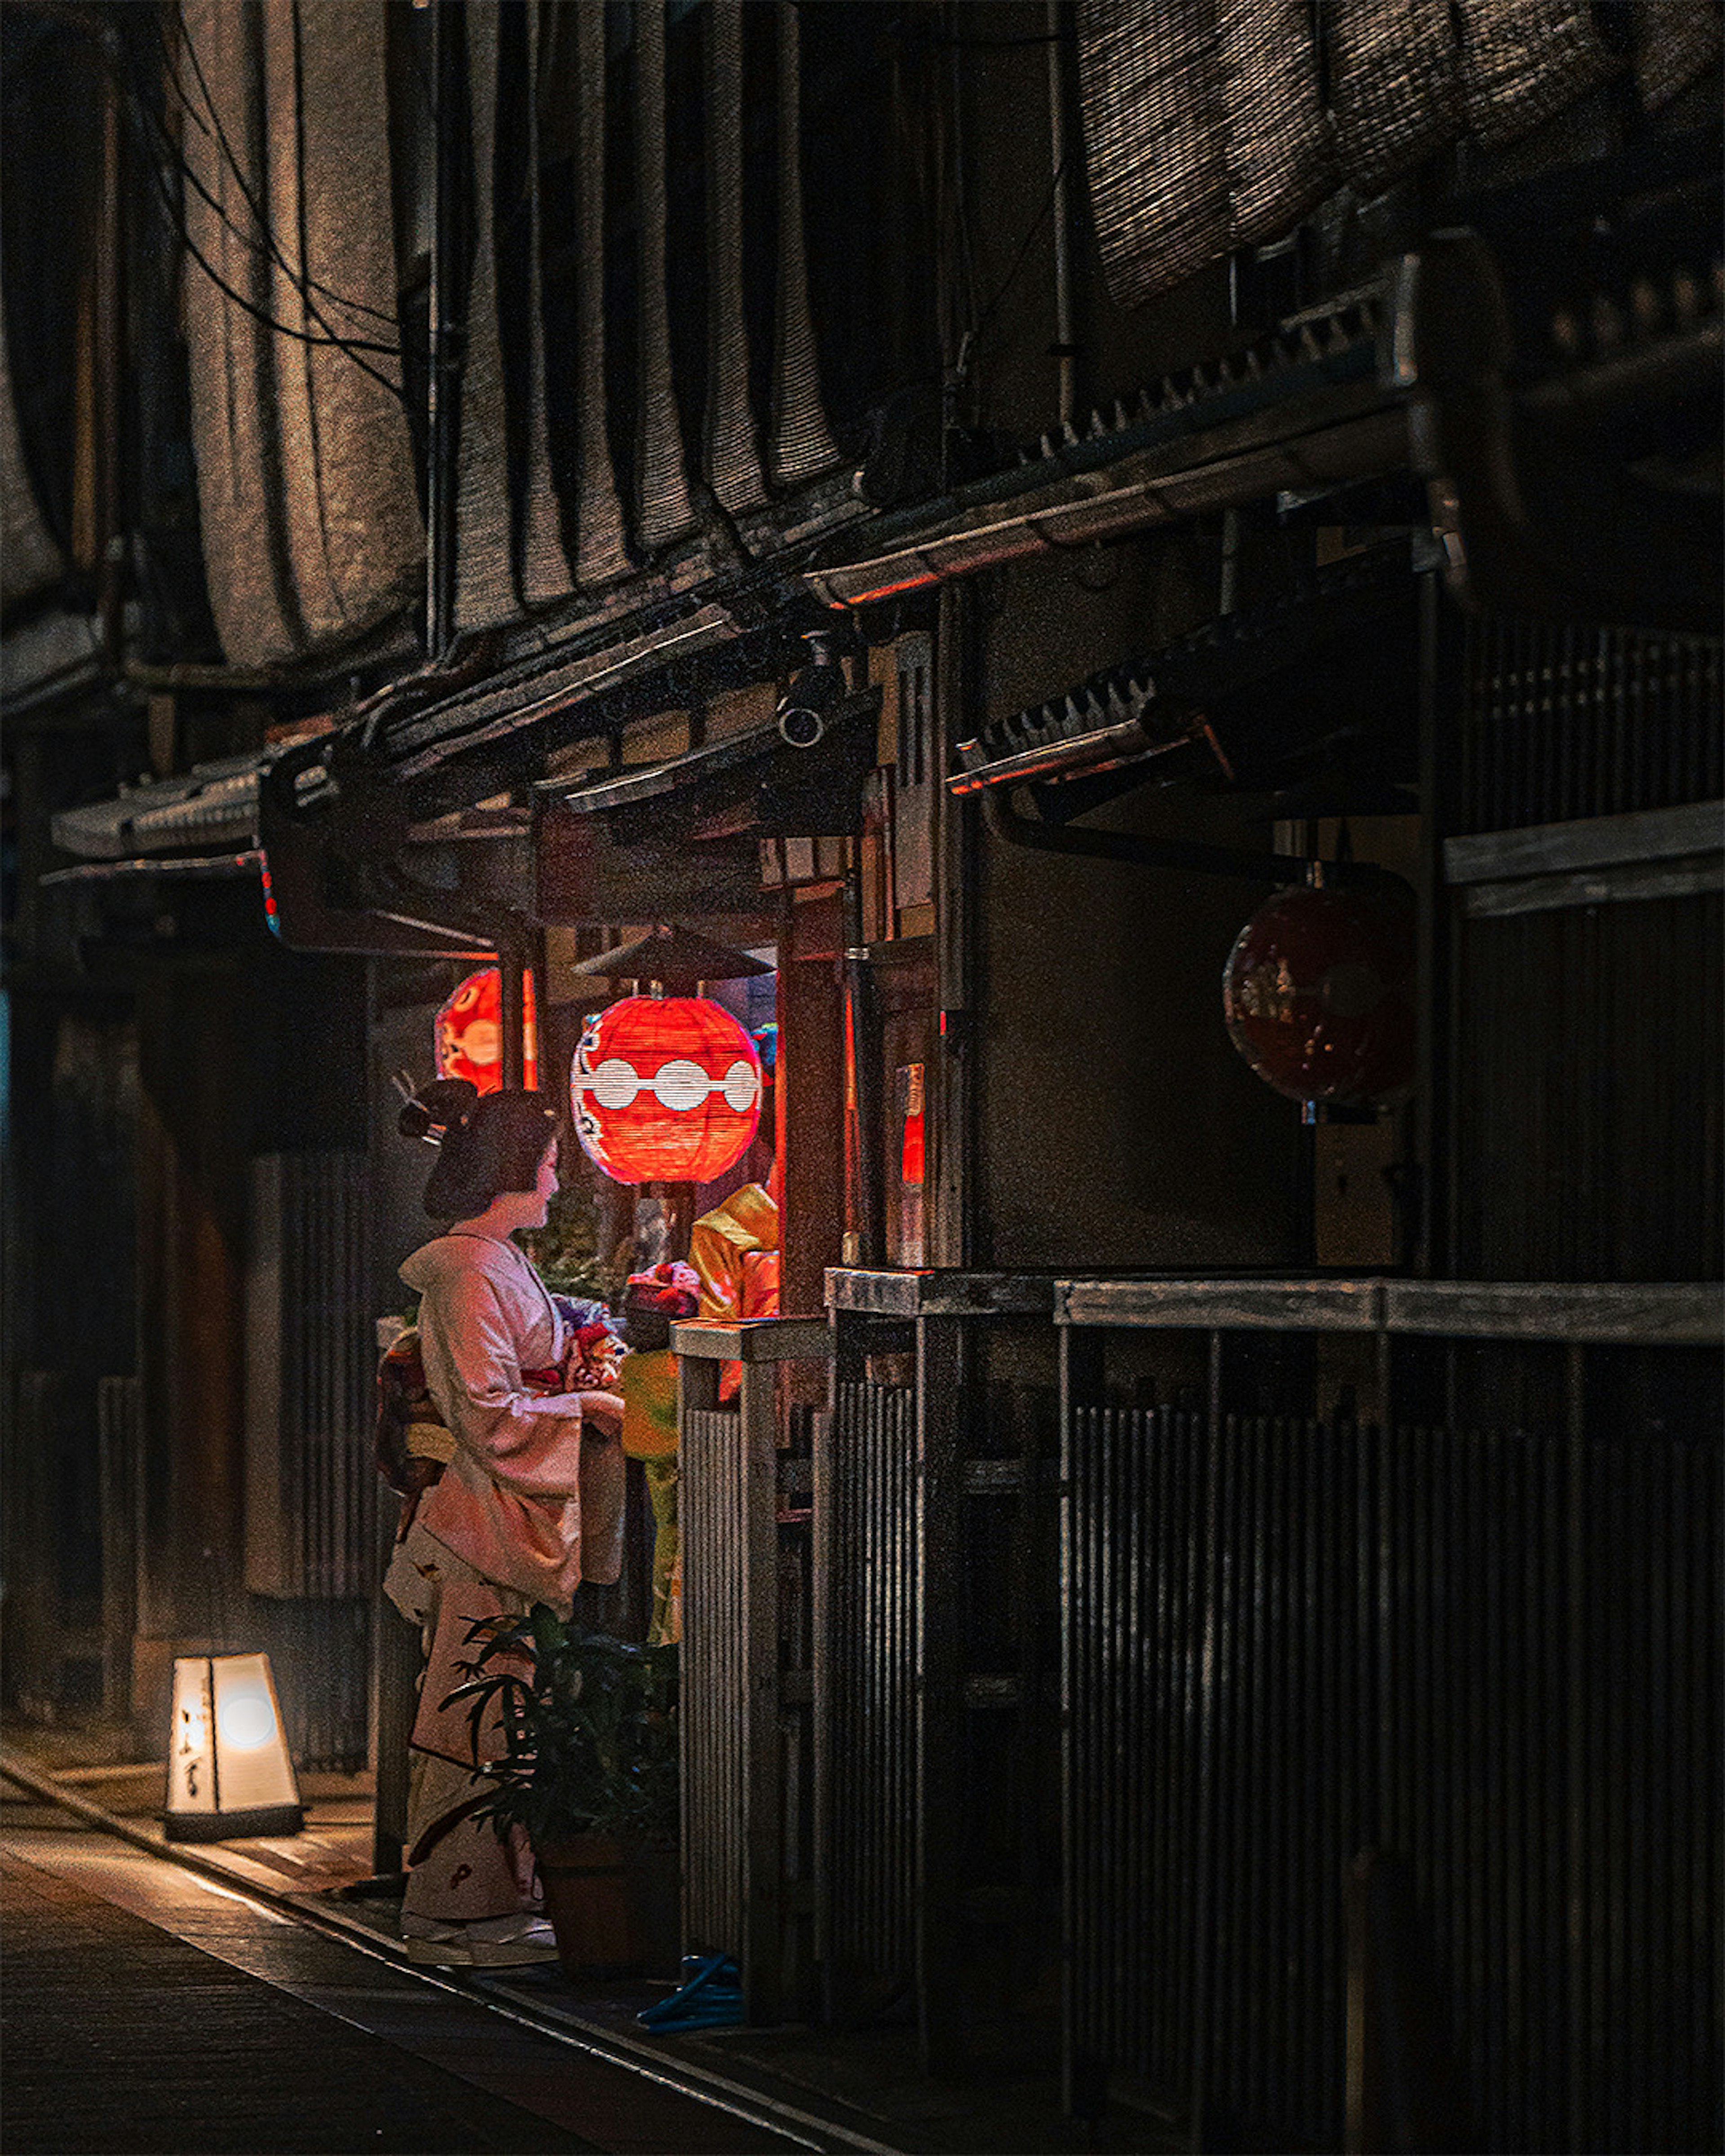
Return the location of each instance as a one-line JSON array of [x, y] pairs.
[[734, 1251]]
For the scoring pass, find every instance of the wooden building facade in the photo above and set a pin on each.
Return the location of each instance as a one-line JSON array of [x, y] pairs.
[[970, 503]]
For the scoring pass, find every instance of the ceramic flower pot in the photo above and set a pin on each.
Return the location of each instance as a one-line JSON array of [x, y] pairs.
[[613, 1905]]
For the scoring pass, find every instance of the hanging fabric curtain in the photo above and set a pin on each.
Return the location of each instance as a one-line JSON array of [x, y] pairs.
[[1205, 129], [1678, 41], [732, 454], [484, 574], [544, 566], [663, 510], [1523, 60], [801, 445], [1276, 143], [29, 560], [312, 535], [508, 547], [1152, 118], [601, 551], [1395, 87]]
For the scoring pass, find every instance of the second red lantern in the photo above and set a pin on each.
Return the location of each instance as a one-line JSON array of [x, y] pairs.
[[664, 1088], [468, 1032], [1318, 993]]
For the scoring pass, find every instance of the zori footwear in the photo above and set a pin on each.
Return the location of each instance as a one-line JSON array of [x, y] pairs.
[[489, 1942]]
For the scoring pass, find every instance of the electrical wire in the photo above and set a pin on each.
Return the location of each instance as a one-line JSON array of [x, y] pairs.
[[1024, 249], [300, 280], [349, 348], [352, 349], [116, 53], [303, 281], [183, 171]]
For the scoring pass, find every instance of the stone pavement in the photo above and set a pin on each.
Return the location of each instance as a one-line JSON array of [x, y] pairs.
[[533, 2055]]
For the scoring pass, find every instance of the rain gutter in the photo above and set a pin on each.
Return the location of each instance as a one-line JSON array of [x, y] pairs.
[[1183, 856]]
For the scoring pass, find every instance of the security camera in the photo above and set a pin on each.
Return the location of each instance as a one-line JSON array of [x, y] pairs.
[[799, 722], [812, 693]]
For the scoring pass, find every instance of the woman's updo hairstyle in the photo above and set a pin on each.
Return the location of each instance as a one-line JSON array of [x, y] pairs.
[[487, 1145]]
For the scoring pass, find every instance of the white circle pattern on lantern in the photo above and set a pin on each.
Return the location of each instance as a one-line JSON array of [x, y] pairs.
[[245, 1721], [614, 1083], [679, 1085]]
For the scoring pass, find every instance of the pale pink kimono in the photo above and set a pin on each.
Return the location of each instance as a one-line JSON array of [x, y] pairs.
[[526, 1509]]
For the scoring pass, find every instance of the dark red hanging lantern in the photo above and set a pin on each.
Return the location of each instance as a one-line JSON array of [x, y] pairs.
[[469, 1033], [664, 1088], [1318, 993]]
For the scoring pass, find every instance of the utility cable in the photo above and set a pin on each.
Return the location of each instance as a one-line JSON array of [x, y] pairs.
[[352, 349], [303, 280], [350, 345], [149, 126]]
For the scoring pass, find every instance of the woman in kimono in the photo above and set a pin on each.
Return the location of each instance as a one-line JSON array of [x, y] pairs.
[[530, 1505]]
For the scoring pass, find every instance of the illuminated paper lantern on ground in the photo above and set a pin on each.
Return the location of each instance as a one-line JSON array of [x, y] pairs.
[[664, 1088], [228, 1771], [468, 1032], [1318, 993]]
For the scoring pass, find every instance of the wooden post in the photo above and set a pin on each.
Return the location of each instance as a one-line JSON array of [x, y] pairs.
[[733, 1866]]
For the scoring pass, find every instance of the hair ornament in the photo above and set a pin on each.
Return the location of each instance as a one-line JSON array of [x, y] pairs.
[[445, 1105]]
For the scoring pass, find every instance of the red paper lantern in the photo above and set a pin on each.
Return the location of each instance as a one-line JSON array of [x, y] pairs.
[[1318, 993], [468, 1032], [664, 1088]]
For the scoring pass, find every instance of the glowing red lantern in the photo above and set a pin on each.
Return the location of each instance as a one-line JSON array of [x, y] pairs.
[[1318, 993], [468, 1032], [664, 1088]]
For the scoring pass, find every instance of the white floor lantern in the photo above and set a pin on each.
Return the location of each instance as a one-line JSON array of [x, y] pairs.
[[228, 1771]]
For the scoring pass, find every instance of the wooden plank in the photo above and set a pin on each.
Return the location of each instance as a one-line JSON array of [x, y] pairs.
[[942, 1361], [1678, 1313], [753, 1340], [1674, 1313], [866, 1292], [763, 1833], [1603, 886], [1280, 1305], [1589, 842], [951, 1081], [811, 1079]]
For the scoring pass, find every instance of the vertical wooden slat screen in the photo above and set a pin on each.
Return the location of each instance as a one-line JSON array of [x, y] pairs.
[[1494, 1653], [311, 1482], [869, 1757]]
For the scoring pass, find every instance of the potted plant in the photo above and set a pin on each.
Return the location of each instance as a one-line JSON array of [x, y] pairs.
[[587, 1767]]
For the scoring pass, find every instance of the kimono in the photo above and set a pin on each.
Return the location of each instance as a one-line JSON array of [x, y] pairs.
[[526, 1508]]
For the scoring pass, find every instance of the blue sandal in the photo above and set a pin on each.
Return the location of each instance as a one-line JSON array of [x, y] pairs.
[[709, 1997]]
